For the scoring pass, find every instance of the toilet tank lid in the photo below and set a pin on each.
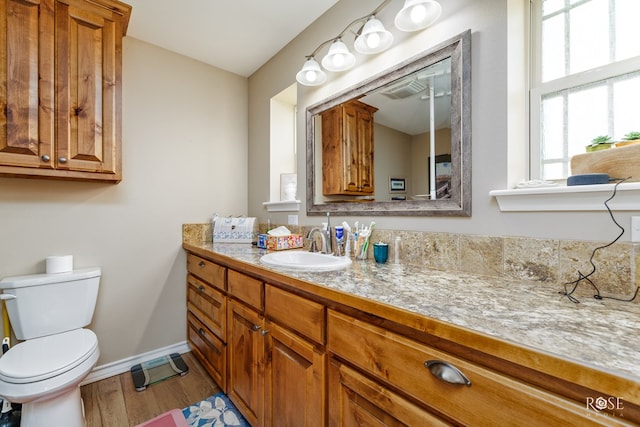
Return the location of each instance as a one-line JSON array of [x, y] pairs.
[[44, 279]]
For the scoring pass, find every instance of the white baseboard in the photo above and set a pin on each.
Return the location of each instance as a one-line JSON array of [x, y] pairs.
[[121, 366]]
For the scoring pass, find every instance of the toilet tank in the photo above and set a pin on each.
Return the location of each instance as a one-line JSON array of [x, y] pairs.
[[47, 304]]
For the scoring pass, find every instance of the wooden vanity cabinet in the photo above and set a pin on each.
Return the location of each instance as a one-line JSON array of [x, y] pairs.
[[356, 400], [207, 316], [61, 85], [459, 391], [347, 149], [298, 355], [295, 360], [246, 345]]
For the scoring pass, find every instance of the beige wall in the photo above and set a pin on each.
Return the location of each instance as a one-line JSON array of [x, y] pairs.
[[184, 157], [493, 155]]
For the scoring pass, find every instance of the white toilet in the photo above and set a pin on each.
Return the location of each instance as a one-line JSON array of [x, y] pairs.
[[48, 312]]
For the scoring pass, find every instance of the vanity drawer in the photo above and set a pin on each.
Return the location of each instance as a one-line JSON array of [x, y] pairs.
[[246, 289], [208, 271], [210, 350], [295, 312], [490, 399], [209, 305]]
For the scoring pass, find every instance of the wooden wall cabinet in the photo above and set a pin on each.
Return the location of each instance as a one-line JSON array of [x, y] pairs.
[[347, 150], [61, 88]]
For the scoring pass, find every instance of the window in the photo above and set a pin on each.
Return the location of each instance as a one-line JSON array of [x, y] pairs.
[[585, 78]]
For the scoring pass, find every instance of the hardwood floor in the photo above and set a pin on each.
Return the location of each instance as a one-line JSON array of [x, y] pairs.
[[114, 402]]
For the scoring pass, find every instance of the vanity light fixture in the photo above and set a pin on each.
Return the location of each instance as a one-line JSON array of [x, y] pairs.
[[338, 58], [311, 74], [417, 14], [370, 38], [373, 38]]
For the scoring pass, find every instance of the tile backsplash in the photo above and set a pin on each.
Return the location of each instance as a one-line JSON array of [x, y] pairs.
[[549, 262]]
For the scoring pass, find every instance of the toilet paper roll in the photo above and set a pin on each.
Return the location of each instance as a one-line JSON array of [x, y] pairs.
[[59, 264]]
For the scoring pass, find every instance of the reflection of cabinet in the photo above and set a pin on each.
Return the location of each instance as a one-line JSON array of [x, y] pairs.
[[347, 149], [61, 80]]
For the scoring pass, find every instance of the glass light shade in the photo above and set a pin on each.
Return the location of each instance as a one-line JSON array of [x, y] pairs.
[[311, 74], [417, 14], [338, 58], [374, 38]]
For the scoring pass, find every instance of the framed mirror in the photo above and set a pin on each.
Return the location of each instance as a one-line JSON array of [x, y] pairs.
[[398, 143]]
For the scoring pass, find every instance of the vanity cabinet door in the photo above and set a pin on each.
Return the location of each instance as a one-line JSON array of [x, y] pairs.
[[347, 149], [246, 361], [355, 401], [294, 380]]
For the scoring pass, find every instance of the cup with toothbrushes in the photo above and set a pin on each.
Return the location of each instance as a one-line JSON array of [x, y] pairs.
[[362, 241]]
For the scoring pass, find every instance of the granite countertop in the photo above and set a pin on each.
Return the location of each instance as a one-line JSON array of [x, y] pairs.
[[603, 334]]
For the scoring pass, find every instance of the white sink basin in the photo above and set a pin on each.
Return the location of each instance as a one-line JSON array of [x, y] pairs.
[[303, 260]]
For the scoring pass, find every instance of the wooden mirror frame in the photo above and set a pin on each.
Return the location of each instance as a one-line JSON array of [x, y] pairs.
[[459, 50]]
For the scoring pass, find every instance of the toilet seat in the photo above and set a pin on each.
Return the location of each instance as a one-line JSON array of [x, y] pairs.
[[41, 358]]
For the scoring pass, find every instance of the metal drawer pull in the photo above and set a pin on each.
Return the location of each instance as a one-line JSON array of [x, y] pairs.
[[447, 372], [264, 332], [62, 160], [201, 332], [45, 158], [201, 264], [256, 327], [201, 288]]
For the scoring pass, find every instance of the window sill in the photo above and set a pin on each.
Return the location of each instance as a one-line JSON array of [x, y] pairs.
[[286, 206], [574, 198]]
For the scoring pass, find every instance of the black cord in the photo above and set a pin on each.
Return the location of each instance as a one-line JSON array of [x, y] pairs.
[[581, 277]]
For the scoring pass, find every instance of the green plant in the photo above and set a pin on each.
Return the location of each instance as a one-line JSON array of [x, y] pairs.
[[603, 139], [631, 136]]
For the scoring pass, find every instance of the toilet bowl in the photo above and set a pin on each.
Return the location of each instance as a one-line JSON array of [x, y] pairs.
[[44, 372], [44, 375]]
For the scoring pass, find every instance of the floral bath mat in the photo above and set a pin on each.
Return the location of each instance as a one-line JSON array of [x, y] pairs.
[[215, 411]]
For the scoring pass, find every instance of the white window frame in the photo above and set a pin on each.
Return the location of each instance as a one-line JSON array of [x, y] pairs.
[[539, 89], [524, 153]]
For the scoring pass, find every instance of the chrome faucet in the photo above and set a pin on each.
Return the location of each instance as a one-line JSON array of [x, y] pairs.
[[325, 245]]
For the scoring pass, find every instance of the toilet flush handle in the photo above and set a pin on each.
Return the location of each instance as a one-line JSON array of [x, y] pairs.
[[7, 296]]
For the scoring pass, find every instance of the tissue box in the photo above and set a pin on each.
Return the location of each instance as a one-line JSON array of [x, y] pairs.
[[278, 243]]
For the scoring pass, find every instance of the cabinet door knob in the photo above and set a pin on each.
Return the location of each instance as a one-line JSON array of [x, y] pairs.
[[447, 372], [256, 327], [45, 158], [264, 332], [201, 264], [62, 159], [201, 332], [201, 288]]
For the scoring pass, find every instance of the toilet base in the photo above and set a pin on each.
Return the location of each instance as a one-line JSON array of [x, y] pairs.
[[64, 410]]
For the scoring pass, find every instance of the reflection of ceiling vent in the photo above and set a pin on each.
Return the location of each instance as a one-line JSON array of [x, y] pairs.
[[406, 89]]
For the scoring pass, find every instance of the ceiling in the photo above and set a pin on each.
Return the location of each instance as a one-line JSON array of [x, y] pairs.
[[234, 35]]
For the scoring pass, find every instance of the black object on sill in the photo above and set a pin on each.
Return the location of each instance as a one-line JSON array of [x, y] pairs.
[[588, 179]]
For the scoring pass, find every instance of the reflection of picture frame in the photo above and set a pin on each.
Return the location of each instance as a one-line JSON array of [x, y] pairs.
[[288, 186], [397, 184]]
